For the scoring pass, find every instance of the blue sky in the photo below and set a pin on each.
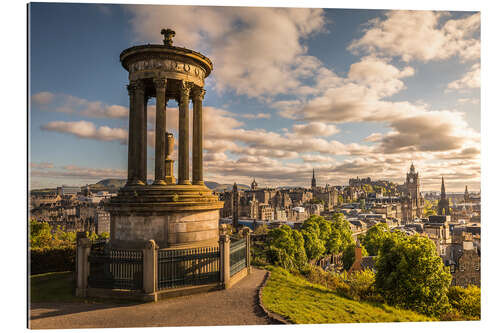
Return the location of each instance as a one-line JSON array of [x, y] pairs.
[[347, 92]]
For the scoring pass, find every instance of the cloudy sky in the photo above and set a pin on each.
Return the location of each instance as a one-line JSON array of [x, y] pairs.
[[346, 92]]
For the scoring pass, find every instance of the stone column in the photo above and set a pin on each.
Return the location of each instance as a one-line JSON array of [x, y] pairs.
[[225, 263], [136, 125], [150, 269], [183, 144], [198, 95], [144, 140], [246, 234], [83, 270], [132, 174], [161, 85]]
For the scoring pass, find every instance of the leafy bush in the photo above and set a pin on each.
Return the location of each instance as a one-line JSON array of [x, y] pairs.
[[54, 250], [47, 259], [332, 281], [361, 285], [467, 301]]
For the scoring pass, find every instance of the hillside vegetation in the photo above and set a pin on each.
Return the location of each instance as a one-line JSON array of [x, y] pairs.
[[302, 302]]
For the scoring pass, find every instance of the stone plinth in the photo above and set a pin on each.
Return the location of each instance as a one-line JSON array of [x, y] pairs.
[[174, 216]]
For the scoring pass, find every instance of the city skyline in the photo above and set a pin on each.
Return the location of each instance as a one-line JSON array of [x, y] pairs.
[[346, 92]]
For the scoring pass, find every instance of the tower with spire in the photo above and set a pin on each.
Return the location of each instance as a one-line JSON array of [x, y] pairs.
[[313, 182], [412, 201], [254, 185], [443, 204], [466, 195]]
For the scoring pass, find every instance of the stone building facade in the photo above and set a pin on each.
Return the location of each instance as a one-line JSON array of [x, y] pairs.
[[467, 268]]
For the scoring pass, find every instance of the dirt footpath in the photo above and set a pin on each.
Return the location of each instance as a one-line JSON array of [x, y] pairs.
[[234, 306]]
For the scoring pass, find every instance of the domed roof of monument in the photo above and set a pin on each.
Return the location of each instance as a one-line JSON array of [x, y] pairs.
[[165, 50]]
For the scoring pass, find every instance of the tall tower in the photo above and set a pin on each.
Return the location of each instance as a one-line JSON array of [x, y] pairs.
[[413, 183], [236, 206], [313, 182], [254, 185], [412, 201], [443, 204], [466, 195]]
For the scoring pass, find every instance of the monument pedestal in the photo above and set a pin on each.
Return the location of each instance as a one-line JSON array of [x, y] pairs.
[[174, 216]]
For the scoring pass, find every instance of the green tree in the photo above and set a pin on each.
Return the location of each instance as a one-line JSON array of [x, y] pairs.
[[411, 274], [374, 238], [349, 255], [340, 236], [40, 233], [286, 248], [314, 245]]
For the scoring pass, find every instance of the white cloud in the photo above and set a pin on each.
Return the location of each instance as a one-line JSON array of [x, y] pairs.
[[42, 98], [419, 35], [87, 130], [315, 129], [75, 105], [256, 116], [468, 100], [470, 80], [256, 51]]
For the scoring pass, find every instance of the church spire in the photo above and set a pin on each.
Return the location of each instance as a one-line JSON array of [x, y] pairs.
[[313, 181], [443, 191]]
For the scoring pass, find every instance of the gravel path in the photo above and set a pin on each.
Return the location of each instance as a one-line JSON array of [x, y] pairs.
[[234, 306]]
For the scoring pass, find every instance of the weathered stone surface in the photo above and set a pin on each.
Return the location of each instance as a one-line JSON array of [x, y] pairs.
[[168, 229]]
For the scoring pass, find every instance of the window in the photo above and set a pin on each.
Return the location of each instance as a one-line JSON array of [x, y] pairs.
[[462, 267], [477, 266]]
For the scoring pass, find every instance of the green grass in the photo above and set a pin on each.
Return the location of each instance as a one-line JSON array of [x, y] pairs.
[[51, 287], [302, 302]]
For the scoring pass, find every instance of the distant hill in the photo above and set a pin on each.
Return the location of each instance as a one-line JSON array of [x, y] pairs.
[[221, 187], [110, 182]]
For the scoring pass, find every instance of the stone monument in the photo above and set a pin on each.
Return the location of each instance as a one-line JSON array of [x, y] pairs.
[[180, 213]]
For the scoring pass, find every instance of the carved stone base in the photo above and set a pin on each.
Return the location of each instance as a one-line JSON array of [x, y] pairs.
[[175, 216]]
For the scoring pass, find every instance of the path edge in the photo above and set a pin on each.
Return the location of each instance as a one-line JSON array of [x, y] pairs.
[[274, 318]]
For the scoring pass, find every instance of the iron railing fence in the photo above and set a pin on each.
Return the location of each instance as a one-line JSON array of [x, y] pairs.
[[238, 256], [188, 267], [115, 268]]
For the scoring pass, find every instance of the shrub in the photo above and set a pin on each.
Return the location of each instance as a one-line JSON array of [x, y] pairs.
[[46, 259], [467, 301], [361, 285]]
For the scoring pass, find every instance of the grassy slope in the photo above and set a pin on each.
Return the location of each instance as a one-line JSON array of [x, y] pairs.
[[50, 287], [302, 302]]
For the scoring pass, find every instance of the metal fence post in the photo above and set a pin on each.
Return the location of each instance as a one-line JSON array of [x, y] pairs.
[[150, 268], [83, 251], [246, 233], [225, 264]]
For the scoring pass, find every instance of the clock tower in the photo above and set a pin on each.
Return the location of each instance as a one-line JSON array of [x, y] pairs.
[[413, 183], [412, 201]]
